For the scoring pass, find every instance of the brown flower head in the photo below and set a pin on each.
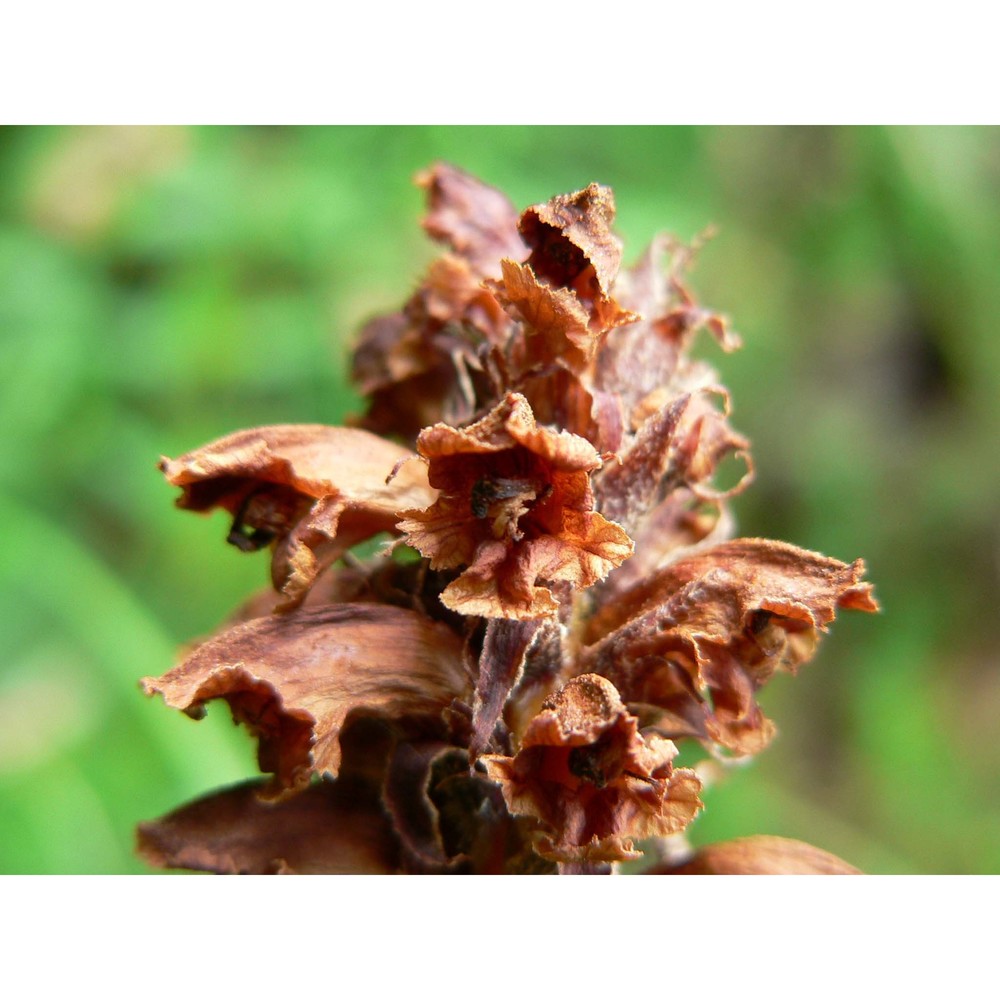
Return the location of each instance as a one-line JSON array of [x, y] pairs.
[[515, 508], [591, 780], [508, 700], [312, 492]]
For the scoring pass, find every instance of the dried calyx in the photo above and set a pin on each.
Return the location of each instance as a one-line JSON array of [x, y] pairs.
[[504, 688]]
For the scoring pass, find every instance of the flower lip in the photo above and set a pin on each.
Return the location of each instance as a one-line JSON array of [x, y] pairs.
[[591, 779], [515, 507]]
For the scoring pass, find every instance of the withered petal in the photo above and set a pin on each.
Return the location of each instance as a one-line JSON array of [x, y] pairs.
[[295, 678], [591, 780], [740, 577], [728, 616], [582, 221], [476, 220], [337, 474], [330, 828], [759, 855], [516, 509], [505, 648]]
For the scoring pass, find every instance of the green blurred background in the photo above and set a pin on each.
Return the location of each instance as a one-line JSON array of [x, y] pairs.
[[161, 287]]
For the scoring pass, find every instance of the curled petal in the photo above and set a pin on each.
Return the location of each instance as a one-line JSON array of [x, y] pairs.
[[313, 491], [295, 678], [562, 293], [571, 241], [591, 780], [516, 508], [331, 828], [476, 220], [716, 625], [760, 856], [651, 355]]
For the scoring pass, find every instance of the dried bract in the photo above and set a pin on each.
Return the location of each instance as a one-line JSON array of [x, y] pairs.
[[698, 638]]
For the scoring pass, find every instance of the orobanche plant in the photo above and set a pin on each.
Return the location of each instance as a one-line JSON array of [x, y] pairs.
[[558, 603]]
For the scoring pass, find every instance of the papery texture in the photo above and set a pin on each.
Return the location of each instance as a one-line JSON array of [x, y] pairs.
[[293, 679], [505, 698], [701, 636], [515, 508], [331, 828], [311, 491], [591, 780]]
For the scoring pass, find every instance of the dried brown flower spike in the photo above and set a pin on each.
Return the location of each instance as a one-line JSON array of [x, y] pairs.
[[510, 699]]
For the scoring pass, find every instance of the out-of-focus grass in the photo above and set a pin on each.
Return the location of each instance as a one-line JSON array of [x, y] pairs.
[[161, 287]]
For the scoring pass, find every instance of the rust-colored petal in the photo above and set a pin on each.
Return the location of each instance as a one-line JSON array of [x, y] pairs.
[[571, 241], [716, 625], [516, 508], [563, 291], [314, 491], [331, 828], [295, 678], [426, 363], [591, 780], [476, 220], [759, 856]]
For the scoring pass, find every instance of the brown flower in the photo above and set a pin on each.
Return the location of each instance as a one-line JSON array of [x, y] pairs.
[[563, 290], [591, 780], [515, 508], [698, 638], [311, 491]]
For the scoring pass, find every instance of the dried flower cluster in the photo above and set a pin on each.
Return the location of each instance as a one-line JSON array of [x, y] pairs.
[[558, 605]]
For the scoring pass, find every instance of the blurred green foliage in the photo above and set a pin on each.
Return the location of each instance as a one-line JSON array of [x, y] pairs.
[[162, 287]]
